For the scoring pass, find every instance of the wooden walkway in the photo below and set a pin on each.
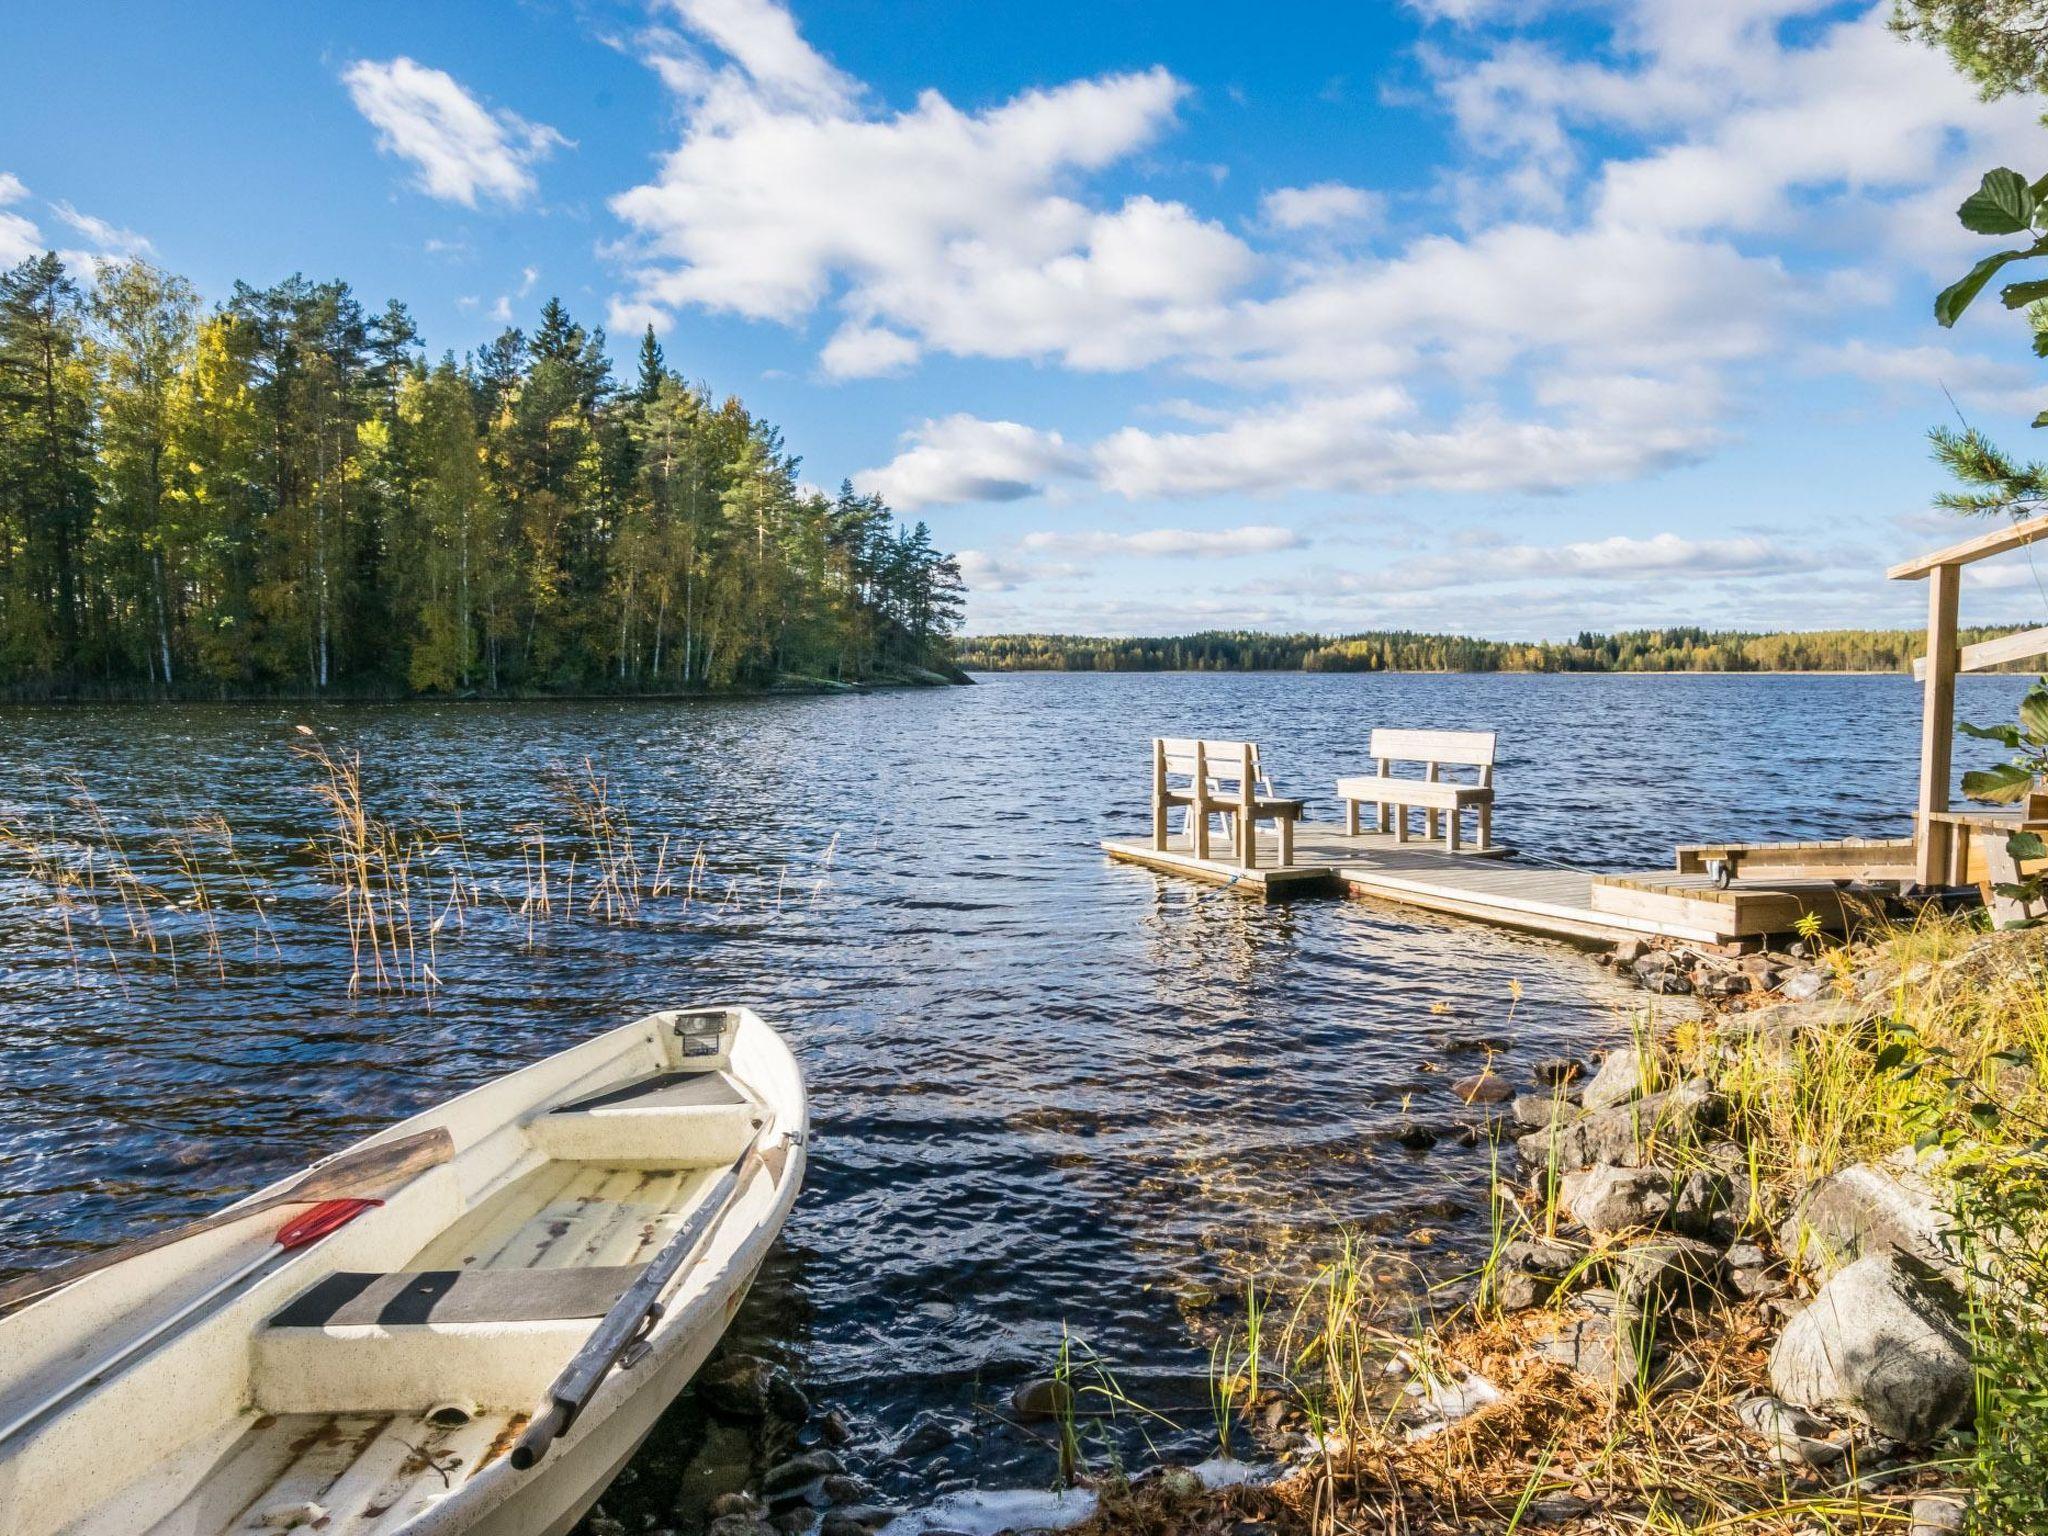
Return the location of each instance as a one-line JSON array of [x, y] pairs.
[[1495, 887]]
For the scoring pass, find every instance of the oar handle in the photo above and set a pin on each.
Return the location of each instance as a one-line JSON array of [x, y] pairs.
[[540, 1434]]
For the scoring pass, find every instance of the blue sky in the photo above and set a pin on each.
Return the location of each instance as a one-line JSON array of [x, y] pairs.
[[1497, 316]]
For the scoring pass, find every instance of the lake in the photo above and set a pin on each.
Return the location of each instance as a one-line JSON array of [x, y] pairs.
[[1050, 1093]]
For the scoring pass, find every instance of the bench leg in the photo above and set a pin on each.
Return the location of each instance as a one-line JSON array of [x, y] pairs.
[[1436, 829], [1485, 825], [1351, 818], [1248, 842], [1159, 826], [1286, 841], [1454, 817], [1200, 813], [1382, 814], [1400, 822]]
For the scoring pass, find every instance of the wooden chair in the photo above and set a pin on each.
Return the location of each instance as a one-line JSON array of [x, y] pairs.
[[1218, 778], [1443, 799]]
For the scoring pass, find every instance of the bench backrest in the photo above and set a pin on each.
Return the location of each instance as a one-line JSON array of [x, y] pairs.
[[1230, 768], [1464, 749]]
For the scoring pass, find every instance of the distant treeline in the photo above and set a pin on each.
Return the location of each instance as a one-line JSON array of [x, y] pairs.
[[1681, 649], [282, 493]]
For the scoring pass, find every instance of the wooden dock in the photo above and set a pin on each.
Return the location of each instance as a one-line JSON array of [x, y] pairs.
[[1493, 886]]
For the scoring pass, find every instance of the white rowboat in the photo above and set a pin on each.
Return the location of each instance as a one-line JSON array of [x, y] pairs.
[[467, 1322]]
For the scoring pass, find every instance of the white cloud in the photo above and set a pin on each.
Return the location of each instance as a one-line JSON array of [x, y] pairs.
[[1325, 204], [762, 39], [867, 352], [107, 239], [961, 458], [19, 237], [986, 573], [462, 150], [1168, 543], [1927, 370]]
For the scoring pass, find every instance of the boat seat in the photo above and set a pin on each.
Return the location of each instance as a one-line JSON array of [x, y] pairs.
[[666, 1120], [388, 1343], [353, 1298]]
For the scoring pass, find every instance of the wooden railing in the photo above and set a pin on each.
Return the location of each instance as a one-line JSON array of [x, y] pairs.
[[1934, 837]]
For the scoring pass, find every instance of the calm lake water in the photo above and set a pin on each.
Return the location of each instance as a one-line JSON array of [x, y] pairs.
[[1049, 1092]]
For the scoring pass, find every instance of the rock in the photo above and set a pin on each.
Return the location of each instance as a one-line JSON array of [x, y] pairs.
[[1537, 1110], [798, 1471], [1793, 1438], [1629, 951], [1619, 1080], [1487, 1087], [737, 1387], [1880, 1344], [1862, 1209], [1586, 1343], [1714, 983], [926, 1434], [1802, 984], [793, 1520], [1517, 1290], [738, 1502], [1181, 1483], [842, 1488], [833, 1429], [1666, 1268], [856, 1520], [1701, 1206], [1625, 1134], [1042, 1397], [1556, 1509], [1938, 1514], [1659, 973], [739, 1525], [1556, 1071], [1416, 1138], [1751, 1273], [1605, 1199], [1540, 1256], [786, 1400]]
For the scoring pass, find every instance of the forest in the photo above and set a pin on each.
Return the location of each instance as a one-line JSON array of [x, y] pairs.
[[1680, 649], [280, 495]]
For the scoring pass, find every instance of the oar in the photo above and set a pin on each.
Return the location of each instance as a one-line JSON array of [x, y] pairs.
[[302, 1231], [373, 1173]]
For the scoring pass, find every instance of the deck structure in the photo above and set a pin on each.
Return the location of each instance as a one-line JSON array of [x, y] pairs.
[[1492, 886]]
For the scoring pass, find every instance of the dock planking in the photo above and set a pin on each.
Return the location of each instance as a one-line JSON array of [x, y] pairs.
[[1493, 887]]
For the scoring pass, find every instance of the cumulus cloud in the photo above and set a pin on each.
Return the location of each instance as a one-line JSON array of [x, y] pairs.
[[962, 458], [19, 237], [106, 238], [1927, 370], [867, 352], [1321, 206], [1167, 543], [462, 151]]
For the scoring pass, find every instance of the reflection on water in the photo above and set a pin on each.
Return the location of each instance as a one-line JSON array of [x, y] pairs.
[[1048, 1091]]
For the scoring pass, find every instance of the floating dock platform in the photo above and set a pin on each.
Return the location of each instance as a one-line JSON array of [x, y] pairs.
[[1492, 886]]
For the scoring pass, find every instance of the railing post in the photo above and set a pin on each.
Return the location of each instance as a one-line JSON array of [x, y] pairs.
[[1159, 793], [1937, 726]]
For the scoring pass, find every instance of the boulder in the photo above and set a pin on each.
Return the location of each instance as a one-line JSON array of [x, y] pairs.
[[1605, 1199], [1666, 1268], [800, 1471], [1863, 1209], [1659, 973], [1802, 984], [1600, 1345], [1540, 1256], [1703, 1205], [1938, 1514], [1516, 1289], [1535, 1111], [1487, 1087], [1627, 1133], [1556, 1071], [1619, 1080], [738, 1387], [1880, 1344], [1793, 1438]]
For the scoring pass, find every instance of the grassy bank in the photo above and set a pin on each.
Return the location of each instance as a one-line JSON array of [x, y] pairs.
[[1606, 1379]]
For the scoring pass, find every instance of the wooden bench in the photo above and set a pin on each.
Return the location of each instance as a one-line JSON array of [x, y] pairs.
[[1218, 778], [1445, 800]]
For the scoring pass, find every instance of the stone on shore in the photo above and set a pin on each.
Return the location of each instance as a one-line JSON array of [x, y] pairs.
[[1487, 1087], [1793, 1437], [1619, 1080], [1878, 1344], [1861, 1210], [1625, 1134], [1605, 1199], [1535, 1111], [1557, 1071]]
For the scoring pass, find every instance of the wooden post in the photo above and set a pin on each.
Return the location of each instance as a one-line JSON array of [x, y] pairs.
[[1200, 809], [1247, 807], [1159, 793], [1937, 724]]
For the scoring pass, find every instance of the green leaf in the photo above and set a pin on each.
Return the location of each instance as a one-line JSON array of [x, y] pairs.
[[2019, 295], [1984, 1116], [1998, 786], [2026, 845], [1925, 1140], [1891, 1056], [2003, 204], [2005, 735], [2034, 714], [2041, 417], [1954, 299]]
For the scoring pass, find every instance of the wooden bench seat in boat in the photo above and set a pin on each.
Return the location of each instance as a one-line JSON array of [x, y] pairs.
[[1445, 801], [1219, 778], [671, 1120]]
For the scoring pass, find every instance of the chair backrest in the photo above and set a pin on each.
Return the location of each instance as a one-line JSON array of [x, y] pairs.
[[1230, 768], [1464, 749]]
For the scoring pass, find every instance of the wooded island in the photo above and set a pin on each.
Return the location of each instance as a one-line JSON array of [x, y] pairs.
[[282, 495]]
